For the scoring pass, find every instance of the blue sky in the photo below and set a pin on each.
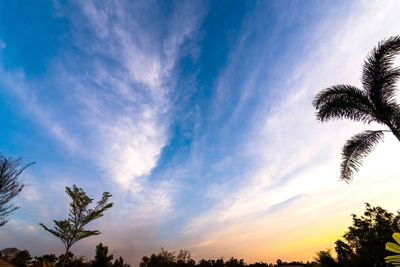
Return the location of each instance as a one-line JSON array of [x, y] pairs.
[[196, 116]]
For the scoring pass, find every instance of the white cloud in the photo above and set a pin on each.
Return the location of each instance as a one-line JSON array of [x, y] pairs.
[[129, 141]]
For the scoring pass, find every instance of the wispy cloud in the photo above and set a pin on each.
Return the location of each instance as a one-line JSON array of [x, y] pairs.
[[297, 158], [122, 92]]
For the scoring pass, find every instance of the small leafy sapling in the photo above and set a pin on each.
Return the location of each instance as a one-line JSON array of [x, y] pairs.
[[71, 230]]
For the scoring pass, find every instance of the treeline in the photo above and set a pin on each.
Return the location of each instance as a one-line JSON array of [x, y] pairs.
[[101, 259], [183, 259], [162, 259]]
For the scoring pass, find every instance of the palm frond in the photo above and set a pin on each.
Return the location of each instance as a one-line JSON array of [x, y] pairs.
[[379, 77], [343, 101], [355, 149]]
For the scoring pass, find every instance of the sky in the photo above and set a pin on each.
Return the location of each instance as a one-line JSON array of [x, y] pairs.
[[196, 116]]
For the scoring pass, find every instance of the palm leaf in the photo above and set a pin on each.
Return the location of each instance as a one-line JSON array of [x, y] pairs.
[[343, 101], [355, 149], [396, 237], [392, 247], [379, 77]]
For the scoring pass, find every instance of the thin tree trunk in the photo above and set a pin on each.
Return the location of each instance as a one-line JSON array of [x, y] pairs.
[[65, 255]]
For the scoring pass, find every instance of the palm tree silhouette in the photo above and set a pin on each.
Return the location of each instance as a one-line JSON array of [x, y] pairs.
[[375, 102]]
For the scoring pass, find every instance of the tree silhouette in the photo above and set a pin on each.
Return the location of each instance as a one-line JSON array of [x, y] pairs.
[[375, 102], [325, 259], [364, 242], [72, 229], [102, 259], [22, 258], [10, 184], [120, 263], [49, 258]]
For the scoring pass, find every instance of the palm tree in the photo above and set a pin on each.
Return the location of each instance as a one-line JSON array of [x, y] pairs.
[[375, 102]]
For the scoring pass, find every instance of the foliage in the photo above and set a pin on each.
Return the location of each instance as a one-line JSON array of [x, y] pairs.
[[22, 259], [120, 263], [232, 262], [71, 230], [10, 184], [183, 259], [163, 258], [74, 262], [50, 258], [364, 243], [325, 259], [375, 102], [279, 262], [144, 262], [66, 257], [102, 259], [394, 259]]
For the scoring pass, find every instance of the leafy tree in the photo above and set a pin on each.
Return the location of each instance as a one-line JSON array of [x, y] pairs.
[[10, 184], [260, 264], [168, 259], [364, 243], [325, 259], [22, 259], [102, 259], [71, 230], [375, 102], [51, 258], [120, 263], [144, 262], [184, 259], [67, 257], [75, 262], [204, 263], [163, 258], [183, 255], [166, 256], [219, 263], [232, 262]]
